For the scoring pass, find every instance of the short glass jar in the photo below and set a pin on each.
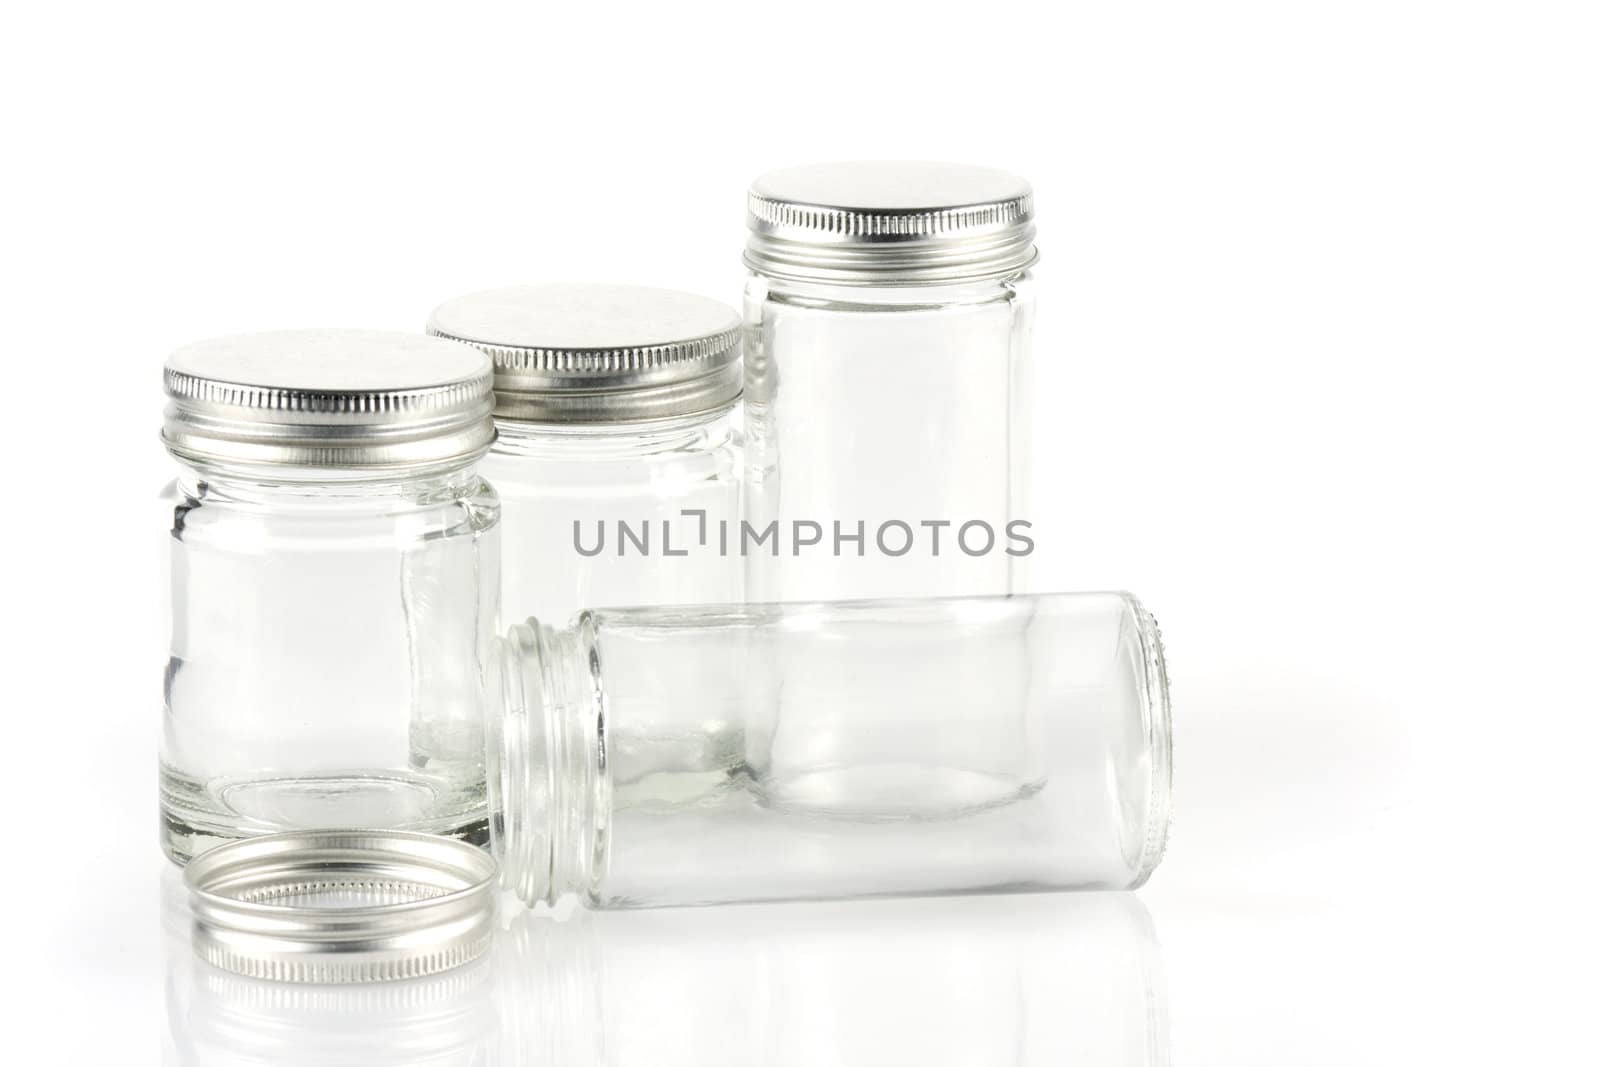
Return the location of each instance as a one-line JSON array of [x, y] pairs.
[[694, 755], [617, 461], [333, 578], [888, 320]]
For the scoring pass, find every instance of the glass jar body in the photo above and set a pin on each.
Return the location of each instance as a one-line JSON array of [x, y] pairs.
[[621, 513], [812, 750], [327, 643], [887, 435]]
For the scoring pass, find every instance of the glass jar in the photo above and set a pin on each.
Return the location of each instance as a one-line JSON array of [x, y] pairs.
[[333, 563], [888, 318], [617, 462], [694, 755]]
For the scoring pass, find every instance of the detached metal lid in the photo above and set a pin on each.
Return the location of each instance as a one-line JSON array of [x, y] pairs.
[[885, 223], [599, 353], [351, 400], [341, 905]]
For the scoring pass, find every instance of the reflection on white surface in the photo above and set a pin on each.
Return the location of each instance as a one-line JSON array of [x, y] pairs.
[[1048, 979]]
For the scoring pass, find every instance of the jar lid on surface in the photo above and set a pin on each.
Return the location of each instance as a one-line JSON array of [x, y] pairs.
[[352, 400], [889, 223], [599, 353], [341, 905]]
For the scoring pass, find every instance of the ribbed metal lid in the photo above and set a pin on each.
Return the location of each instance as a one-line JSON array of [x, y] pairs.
[[352, 400], [888, 223], [599, 353], [341, 905]]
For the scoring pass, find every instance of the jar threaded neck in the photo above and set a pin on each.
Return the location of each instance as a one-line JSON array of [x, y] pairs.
[[546, 761]]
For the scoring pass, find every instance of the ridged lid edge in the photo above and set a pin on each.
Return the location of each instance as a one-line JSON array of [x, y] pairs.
[[601, 361], [445, 921], [183, 387], [890, 223]]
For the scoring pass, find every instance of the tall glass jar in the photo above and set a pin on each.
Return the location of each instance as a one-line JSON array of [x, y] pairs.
[[888, 317], [617, 462], [333, 576], [916, 746]]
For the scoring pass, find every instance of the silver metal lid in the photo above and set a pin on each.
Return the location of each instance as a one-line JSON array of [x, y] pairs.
[[350, 400], [341, 905], [889, 224], [599, 353]]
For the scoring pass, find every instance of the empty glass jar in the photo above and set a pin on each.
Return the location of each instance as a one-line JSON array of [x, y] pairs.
[[333, 565], [888, 317], [617, 462], [693, 755]]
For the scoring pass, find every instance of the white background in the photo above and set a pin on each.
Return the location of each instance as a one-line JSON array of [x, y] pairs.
[[1317, 344]]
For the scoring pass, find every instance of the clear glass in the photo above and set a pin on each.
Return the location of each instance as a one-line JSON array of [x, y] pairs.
[[887, 436], [327, 647], [654, 756], [617, 513]]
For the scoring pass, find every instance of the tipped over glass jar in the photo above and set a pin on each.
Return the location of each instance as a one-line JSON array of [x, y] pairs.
[[695, 755]]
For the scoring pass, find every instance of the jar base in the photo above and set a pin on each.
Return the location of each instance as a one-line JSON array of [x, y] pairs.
[[197, 816]]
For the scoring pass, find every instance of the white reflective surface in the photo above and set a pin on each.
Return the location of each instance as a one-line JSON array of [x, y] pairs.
[[1045, 979]]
